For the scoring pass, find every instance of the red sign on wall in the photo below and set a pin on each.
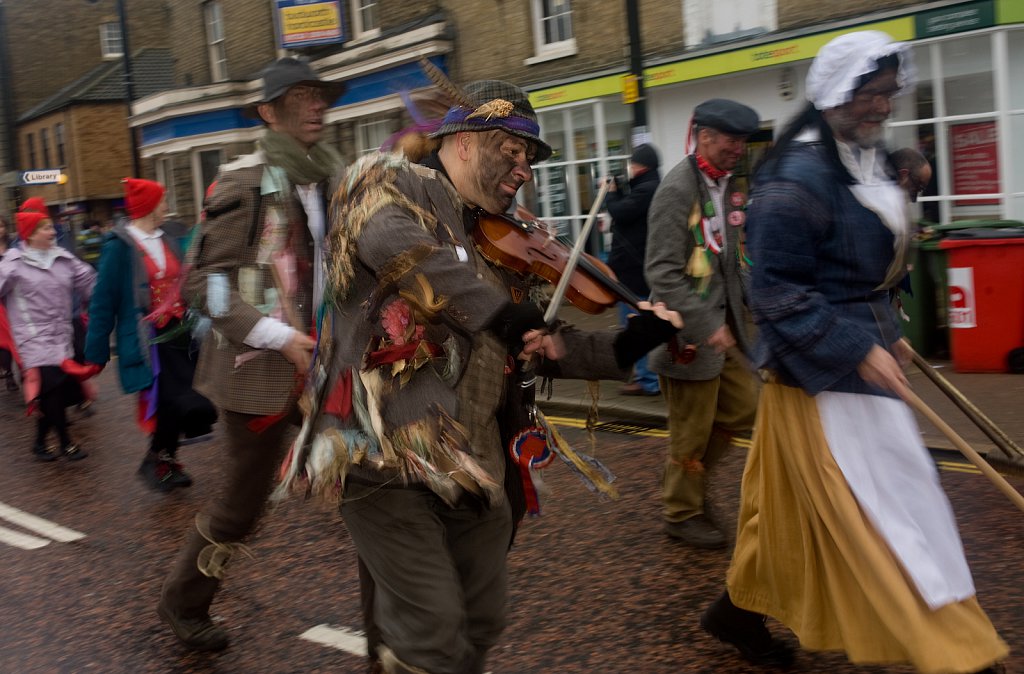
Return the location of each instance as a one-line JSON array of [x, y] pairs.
[[975, 161]]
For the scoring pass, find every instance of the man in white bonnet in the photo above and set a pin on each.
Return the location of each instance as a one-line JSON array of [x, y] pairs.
[[845, 534]]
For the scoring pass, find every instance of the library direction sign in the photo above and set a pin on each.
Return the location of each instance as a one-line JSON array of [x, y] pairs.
[[42, 177]]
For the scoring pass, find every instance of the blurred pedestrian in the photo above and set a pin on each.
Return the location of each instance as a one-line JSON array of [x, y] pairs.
[[138, 296], [256, 271], [89, 242], [8, 352], [913, 171], [845, 534], [697, 265], [37, 284], [629, 210]]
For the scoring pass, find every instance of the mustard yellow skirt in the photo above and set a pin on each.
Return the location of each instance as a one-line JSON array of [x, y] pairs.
[[807, 556]]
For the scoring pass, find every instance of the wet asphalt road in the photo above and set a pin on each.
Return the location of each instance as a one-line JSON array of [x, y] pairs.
[[595, 585]]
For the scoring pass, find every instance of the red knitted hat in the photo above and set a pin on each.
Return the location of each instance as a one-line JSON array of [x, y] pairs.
[[34, 204], [27, 221], [141, 196]]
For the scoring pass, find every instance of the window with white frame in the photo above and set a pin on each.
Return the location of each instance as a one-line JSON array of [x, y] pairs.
[[215, 41], [710, 22], [165, 176], [371, 133], [111, 44], [553, 35], [365, 19]]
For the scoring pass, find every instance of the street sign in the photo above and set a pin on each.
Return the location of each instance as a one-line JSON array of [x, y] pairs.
[[43, 177]]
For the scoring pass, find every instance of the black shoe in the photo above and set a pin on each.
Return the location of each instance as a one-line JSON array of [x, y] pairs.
[[747, 632], [85, 407], [199, 634], [156, 473], [74, 452], [179, 478], [43, 453], [698, 531]]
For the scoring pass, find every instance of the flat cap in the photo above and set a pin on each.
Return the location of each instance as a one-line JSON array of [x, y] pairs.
[[728, 116]]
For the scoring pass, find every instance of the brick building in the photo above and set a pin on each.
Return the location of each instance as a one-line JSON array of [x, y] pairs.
[[66, 101], [572, 55]]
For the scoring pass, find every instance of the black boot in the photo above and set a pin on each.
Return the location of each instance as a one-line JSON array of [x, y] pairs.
[[39, 449], [747, 632]]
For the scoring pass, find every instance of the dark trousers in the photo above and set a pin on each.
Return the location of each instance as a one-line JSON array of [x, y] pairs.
[[180, 409], [251, 463], [57, 391]]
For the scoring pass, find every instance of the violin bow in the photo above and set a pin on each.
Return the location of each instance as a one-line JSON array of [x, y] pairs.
[[574, 256]]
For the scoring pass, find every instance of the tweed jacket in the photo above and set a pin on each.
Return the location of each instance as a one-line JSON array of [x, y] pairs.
[[670, 244], [246, 218], [120, 303], [820, 258], [399, 253]]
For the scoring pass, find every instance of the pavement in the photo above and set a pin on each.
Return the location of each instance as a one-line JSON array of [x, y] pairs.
[[997, 395]]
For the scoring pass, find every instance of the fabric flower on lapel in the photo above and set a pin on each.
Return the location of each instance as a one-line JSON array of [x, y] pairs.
[[699, 265]]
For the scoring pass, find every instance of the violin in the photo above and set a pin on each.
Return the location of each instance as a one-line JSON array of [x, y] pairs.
[[530, 249]]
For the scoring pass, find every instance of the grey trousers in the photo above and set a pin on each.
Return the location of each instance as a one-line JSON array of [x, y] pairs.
[[440, 573]]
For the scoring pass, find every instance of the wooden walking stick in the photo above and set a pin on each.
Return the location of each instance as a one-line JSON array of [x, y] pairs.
[[965, 449], [987, 426]]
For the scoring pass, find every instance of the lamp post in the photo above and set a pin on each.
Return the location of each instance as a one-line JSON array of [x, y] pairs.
[[636, 67], [129, 86]]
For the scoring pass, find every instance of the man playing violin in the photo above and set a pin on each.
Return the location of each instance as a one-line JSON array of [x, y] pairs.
[[697, 264], [424, 337]]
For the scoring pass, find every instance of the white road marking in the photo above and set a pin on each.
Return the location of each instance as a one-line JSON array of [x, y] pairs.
[[38, 525], [350, 641], [20, 540]]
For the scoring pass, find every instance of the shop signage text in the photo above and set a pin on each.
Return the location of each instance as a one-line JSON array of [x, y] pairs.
[[305, 23], [955, 19], [43, 177]]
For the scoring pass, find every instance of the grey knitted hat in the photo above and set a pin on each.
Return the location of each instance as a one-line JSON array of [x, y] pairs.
[[497, 105]]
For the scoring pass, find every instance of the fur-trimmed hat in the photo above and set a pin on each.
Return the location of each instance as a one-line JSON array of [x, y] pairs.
[[495, 105], [141, 196]]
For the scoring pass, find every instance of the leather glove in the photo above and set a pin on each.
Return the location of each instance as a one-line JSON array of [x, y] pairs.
[[644, 331], [515, 320]]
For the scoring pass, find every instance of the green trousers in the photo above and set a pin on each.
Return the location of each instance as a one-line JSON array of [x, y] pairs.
[[703, 418]]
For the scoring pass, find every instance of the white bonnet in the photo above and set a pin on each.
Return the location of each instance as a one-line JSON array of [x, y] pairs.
[[839, 65]]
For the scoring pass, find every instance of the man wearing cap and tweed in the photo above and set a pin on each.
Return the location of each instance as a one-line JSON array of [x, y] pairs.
[[255, 271], [697, 265], [425, 333]]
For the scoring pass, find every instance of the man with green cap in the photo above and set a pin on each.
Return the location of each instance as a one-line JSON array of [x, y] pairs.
[[424, 339]]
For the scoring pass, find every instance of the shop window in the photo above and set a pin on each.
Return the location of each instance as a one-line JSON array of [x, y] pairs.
[[710, 22], [552, 30], [365, 18], [165, 176], [30, 139], [967, 75], [215, 41], [111, 45], [371, 134], [58, 139]]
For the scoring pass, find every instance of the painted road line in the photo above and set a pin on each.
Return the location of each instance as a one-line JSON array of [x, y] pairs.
[[38, 525], [350, 641], [20, 540]]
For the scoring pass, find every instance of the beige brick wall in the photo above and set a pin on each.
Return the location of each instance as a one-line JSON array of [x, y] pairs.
[[799, 13], [248, 40], [54, 42]]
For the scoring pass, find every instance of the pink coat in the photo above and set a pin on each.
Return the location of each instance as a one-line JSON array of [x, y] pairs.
[[39, 296]]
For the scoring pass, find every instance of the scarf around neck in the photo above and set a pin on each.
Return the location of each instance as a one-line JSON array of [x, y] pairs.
[[303, 167], [43, 258], [707, 169]]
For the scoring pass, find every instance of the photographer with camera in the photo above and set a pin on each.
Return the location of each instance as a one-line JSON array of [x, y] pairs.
[[629, 242]]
